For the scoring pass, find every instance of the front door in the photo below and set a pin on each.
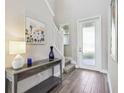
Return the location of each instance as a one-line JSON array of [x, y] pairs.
[[89, 43]]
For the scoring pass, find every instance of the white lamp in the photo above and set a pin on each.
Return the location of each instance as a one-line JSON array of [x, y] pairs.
[[17, 47]]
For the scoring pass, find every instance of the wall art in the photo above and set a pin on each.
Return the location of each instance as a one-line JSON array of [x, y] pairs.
[[35, 32]]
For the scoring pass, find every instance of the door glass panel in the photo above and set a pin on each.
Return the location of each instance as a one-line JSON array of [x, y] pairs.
[[88, 37]]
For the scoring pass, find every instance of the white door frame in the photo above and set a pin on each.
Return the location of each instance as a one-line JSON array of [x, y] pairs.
[[98, 44]]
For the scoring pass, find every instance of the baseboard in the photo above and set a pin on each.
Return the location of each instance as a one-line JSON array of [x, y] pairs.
[[104, 71], [109, 83], [92, 69], [108, 79]]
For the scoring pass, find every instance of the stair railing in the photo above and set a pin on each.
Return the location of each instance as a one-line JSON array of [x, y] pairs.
[[58, 43]]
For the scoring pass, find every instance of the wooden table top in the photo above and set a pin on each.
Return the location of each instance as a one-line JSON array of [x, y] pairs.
[[35, 64]]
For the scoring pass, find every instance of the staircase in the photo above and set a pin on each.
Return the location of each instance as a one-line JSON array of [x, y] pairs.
[[58, 44], [69, 67]]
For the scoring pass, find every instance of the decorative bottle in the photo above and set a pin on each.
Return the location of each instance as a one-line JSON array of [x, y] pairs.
[[51, 54]]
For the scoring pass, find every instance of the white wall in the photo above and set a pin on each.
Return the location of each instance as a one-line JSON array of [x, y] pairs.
[[113, 74], [14, 29], [39, 11], [16, 10], [68, 11]]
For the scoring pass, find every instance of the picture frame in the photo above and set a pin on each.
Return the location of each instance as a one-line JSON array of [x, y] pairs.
[[35, 32], [114, 30]]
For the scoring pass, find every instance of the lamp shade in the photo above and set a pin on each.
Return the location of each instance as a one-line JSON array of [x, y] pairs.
[[17, 47]]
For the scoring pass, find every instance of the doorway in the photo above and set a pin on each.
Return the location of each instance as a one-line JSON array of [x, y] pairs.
[[89, 43]]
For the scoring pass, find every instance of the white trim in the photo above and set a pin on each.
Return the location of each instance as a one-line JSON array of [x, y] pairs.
[[61, 56], [87, 18], [108, 79], [93, 69], [109, 83], [60, 53], [49, 7], [104, 71], [101, 71]]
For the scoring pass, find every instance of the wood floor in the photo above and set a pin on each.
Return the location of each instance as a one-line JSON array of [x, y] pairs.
[[83, 81]]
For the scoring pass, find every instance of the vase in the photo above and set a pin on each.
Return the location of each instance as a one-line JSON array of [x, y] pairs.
[[51, 54], [18, 62], [29, 62]]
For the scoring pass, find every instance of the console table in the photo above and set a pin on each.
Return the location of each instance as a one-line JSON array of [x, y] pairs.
[[38, 66]]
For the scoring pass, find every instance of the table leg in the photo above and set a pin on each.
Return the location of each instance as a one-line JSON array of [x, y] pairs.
[[52, 70], [6, 85], [61, 71], [14, 84]]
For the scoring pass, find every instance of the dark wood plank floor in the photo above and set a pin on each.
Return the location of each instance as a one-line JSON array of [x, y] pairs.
[[83, 81]]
